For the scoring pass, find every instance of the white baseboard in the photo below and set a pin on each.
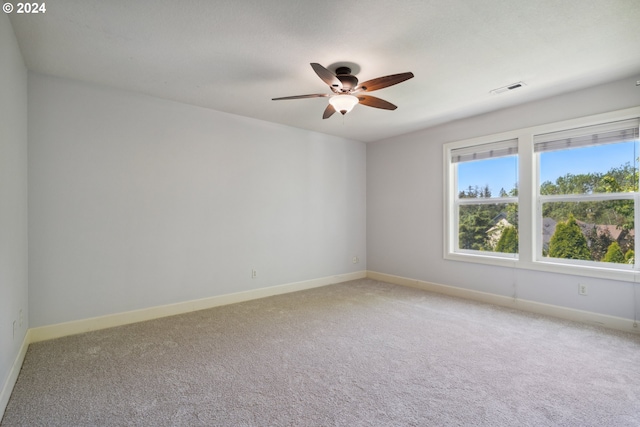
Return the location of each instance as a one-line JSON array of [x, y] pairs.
[[7, 387], [611, 322], [102, 322]]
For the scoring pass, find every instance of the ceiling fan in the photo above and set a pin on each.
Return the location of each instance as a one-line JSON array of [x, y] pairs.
[[346, 90]]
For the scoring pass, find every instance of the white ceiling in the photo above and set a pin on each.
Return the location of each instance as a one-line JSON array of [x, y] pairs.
[[235, 55]]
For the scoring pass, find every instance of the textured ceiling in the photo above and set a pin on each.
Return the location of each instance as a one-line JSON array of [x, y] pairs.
[[236, 55]]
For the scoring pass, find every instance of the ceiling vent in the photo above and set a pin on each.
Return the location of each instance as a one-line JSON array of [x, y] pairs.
[[512, 86]]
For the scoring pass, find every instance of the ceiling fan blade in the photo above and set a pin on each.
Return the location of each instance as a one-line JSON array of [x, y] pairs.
[[314, 95], [327, 76], [328, 111], [372, 101], [382, 82]]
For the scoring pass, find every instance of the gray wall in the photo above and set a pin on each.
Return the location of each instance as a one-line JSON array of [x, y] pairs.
[[13, 198], [405, 205], [136, 202]]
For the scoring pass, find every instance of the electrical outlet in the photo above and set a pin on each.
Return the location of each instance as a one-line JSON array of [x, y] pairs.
[[254, 274], [582, 289], [355, 260]]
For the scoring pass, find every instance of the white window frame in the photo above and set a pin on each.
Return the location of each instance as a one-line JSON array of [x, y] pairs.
[[530, 205], [452, 204]]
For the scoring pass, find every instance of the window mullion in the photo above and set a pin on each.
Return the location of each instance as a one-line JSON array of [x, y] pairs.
[[526, 197]]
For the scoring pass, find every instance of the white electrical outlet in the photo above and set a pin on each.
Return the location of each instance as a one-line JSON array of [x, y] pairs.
[[582, 289], [254, 274], [355, 260]]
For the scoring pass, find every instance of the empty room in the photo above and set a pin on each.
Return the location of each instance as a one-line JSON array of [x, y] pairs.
[[293, 213]]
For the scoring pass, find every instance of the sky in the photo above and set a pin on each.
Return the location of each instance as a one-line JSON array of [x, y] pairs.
[[503, 172]]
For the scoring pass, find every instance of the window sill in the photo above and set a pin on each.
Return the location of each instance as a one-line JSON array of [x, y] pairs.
[[626, 275]]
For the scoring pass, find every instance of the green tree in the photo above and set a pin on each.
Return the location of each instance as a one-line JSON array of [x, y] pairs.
[[621, 179], [508, 242], [470, 193], [475, 192], [568, 242], [486, 192], [475, 220], [598, 242], [630, 257], [614, 254]]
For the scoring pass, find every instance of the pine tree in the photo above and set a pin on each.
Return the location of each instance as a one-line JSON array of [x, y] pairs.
[[614, 254], [508, 242], [630, 257], [473, 226], [568, 242]]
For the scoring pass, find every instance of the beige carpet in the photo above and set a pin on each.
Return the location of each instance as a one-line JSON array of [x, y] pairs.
[[361, 353]]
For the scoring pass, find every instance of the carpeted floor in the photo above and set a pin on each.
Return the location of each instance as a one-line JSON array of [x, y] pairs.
[[361, 353]]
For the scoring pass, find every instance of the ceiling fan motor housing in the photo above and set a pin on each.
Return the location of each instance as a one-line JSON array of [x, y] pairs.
[[348, 81]]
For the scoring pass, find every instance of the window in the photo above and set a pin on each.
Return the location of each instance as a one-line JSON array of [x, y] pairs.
[[561, 197], [486, 202], [587, 192]]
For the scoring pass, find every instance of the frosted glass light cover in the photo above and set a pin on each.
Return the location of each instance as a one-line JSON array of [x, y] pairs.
[[343, 103]]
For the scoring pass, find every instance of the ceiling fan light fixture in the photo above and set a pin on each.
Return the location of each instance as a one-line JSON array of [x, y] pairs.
[[343, 103], [344, 85]]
